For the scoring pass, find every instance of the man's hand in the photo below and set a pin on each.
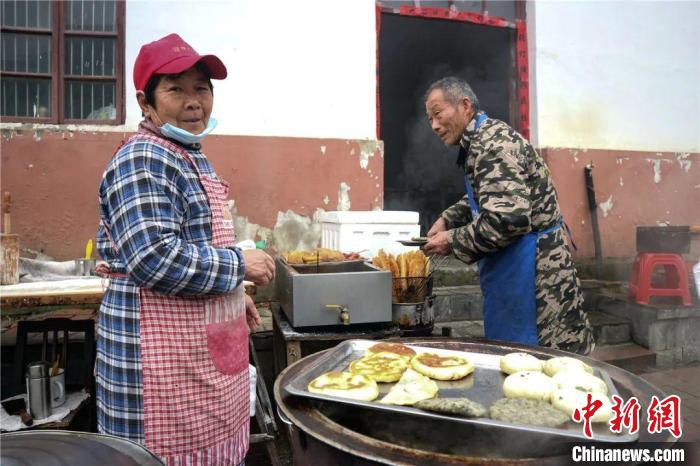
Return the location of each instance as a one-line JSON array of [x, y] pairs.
[[259, 266], [437, 227], [251, 314], [438, 244]]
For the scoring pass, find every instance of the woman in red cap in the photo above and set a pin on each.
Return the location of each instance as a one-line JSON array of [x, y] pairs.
[[172, 351]]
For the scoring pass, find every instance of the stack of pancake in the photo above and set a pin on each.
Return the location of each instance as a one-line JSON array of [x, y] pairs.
[[547, 392], [388, 363], [543, 393]]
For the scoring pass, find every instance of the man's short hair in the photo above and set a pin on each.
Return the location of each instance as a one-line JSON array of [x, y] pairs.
[[454, 89]]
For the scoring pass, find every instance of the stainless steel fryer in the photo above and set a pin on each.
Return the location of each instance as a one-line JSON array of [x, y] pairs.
[[333, 293]]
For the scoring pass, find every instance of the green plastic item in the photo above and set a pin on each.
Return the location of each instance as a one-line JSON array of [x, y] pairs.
[[260, 244]]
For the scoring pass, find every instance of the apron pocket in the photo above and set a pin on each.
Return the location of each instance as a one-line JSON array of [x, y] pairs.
[[228, 345]]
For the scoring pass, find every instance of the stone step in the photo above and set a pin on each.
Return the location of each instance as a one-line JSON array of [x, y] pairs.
[[613, 268], [465, 304], [458, 303], [609, 329], [460, 329], [670, 330], [453, 272], [614, 334], [629, 356]]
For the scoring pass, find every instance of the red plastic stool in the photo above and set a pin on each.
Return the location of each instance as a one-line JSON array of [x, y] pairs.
[[676, 277]]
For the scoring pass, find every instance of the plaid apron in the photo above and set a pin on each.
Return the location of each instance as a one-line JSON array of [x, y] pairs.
[[194, 350]]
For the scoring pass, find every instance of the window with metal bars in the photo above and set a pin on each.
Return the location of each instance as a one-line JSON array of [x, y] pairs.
[[62, 62]]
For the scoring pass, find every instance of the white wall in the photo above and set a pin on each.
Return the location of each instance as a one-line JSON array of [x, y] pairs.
[[609, 75], [617, 75], [302, 68]]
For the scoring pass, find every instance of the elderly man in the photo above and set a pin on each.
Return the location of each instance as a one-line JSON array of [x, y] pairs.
[[510, 223]]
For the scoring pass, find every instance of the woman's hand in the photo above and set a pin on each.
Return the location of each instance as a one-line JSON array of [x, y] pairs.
[[251, 314], [259, 266], [437, 227]]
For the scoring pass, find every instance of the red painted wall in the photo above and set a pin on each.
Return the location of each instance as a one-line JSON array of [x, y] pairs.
[[53, 179], [639, 196]]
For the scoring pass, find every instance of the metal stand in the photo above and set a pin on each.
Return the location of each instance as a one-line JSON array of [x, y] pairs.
[[264, 414], [287, 342]]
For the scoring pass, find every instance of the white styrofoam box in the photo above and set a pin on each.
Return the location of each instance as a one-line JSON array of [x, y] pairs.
[[370, 216], [367, 232]]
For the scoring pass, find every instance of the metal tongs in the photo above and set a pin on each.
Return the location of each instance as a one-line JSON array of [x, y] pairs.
[[415, 241]]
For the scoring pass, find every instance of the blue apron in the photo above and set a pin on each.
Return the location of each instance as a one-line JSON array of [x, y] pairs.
[[507, 280]]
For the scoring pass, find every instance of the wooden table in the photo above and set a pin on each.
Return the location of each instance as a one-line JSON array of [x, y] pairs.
[[76, 298], [287, 341], [76, 291]]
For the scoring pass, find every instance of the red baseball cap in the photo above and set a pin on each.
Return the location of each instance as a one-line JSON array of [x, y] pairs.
[[172, 55]]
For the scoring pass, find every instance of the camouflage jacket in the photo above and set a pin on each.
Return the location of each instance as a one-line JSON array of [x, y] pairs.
[[512, 186], [514, 190]]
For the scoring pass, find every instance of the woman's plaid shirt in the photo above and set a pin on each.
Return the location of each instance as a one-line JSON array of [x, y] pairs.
[[157, 214]]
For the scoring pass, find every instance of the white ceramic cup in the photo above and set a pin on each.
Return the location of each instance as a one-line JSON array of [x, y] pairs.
[[58, 389]]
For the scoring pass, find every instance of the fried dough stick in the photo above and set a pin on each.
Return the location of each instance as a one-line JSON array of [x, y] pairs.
[[387, 262]]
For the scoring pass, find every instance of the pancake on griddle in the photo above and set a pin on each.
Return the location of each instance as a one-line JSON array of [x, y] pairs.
[[411, 388], [442, 367], [458, 406], [529, 384], [516, 362], [380, 367], [527, 411], [580, 380], [345, 385], [396, 348], [558, 364], [568, 399]]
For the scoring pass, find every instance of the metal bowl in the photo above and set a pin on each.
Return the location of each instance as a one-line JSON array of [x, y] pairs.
[[65, 448]]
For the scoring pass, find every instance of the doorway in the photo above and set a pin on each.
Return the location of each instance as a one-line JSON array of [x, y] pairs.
[[420, 173]]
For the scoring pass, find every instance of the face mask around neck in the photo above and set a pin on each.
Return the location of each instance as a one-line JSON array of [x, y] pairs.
[[185, 137]]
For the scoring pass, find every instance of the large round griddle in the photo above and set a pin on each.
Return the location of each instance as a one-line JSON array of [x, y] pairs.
[[324, 430], [65, 448]]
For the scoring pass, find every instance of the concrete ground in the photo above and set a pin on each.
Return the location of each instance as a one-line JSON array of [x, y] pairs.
[[684, 382]]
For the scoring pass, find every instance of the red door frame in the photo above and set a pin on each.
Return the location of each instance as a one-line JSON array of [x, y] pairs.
[[521, 59]]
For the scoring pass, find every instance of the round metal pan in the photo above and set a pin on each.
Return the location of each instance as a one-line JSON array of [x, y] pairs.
[[65, 448], [317, 427]]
